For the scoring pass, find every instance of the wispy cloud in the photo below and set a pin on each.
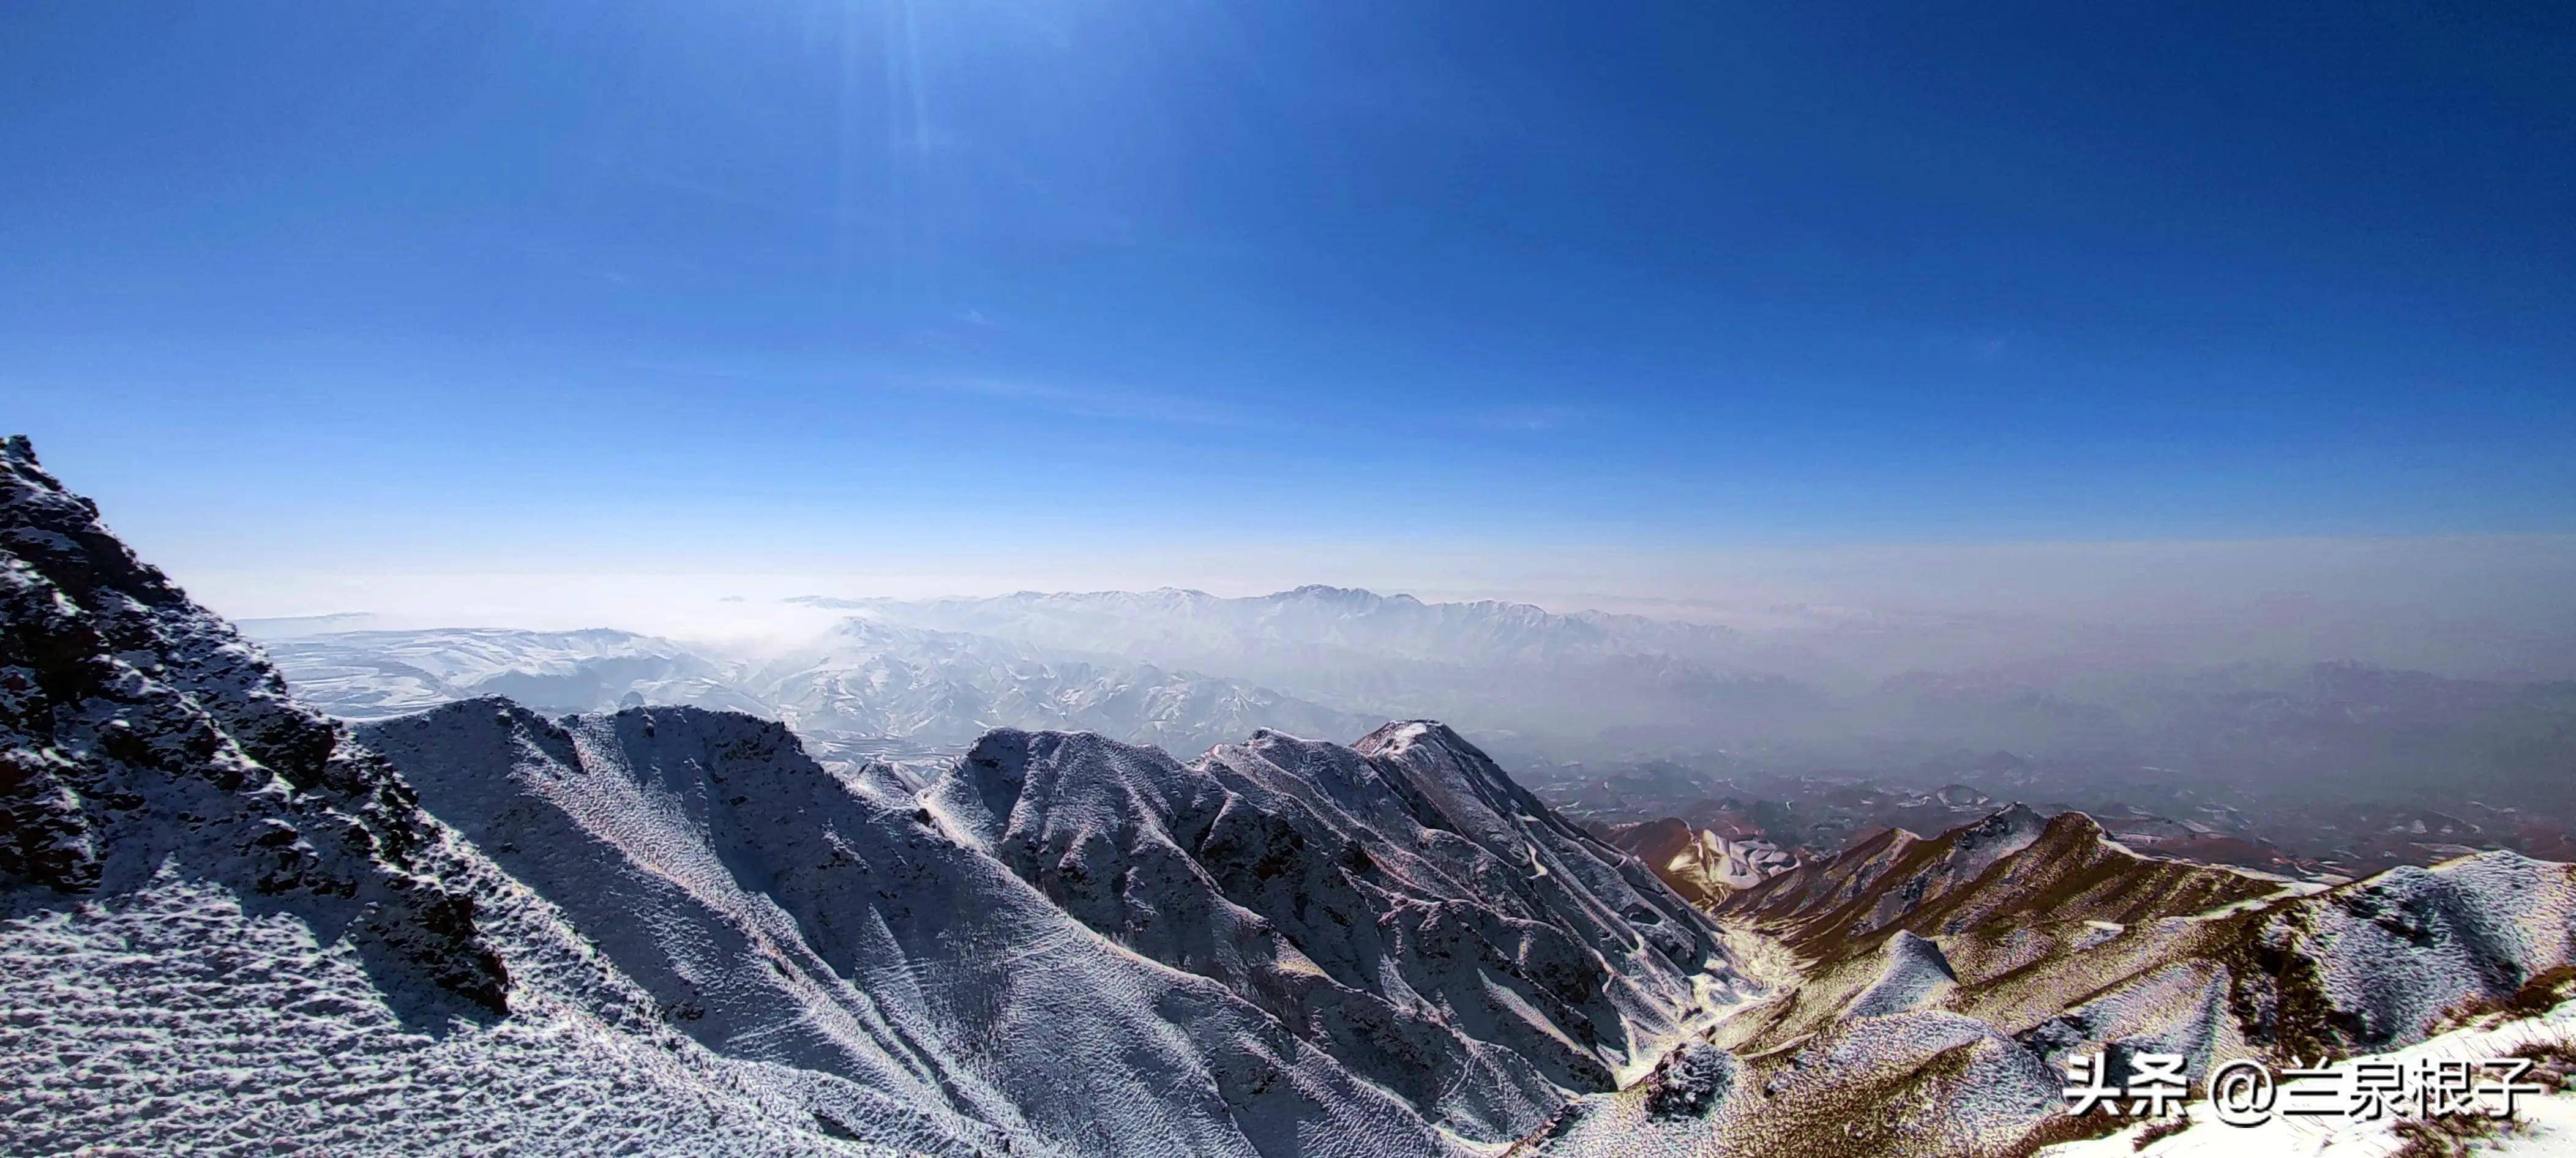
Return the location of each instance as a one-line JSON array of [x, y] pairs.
[[1527, 419], [1096, 401]]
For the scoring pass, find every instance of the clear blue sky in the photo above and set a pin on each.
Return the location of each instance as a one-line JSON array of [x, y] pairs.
[[787, 280]]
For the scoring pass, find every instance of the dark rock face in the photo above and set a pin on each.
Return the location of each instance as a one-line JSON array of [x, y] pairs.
[[1690, 1081], [138, 730]]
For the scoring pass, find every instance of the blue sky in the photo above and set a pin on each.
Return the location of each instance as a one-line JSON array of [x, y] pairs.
[[993, 289]]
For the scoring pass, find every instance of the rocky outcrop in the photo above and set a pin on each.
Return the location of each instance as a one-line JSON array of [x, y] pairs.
[[139, 732], [1702, 866]]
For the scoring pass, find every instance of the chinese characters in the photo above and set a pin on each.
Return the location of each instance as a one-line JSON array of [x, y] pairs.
[[2247, 1092]]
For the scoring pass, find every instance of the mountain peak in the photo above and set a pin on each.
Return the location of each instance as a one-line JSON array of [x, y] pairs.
[[1351, 892], [1396, 735], [1327, 593], [2014, 822]]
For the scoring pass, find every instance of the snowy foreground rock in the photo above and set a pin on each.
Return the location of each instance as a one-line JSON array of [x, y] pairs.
[[229, 923]]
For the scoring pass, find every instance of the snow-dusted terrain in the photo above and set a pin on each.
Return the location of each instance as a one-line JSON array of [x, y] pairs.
[[1401, 903], [776, 912], [231, 924], [227, 928], [1927, 991]]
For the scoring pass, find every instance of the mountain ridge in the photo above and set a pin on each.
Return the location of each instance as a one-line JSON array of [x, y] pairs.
[[1323, 883]]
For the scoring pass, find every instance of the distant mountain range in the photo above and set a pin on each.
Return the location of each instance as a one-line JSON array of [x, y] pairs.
[[1589, 686], [1310, 627], [1496, 668], [1186, 670], [365, 675], [856, 688]]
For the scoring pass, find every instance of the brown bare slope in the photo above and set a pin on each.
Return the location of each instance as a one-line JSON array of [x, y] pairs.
[[1944, 981], [2008, 870], [1660, 843], [1702, 865]]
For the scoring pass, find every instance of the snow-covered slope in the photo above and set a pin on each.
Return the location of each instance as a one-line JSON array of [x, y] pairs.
[[779, 913], [1400, 904], [143, 734], [2062, 868]]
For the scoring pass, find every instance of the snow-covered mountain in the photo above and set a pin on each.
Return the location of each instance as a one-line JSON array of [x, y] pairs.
[[228, 921], [781, 914], [367, 675], [1489, 666], [943, 689], [1313, 624], [1400, 902], [861, 684]]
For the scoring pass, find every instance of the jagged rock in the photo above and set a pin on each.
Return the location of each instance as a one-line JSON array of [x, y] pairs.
[[1691, 1081]]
